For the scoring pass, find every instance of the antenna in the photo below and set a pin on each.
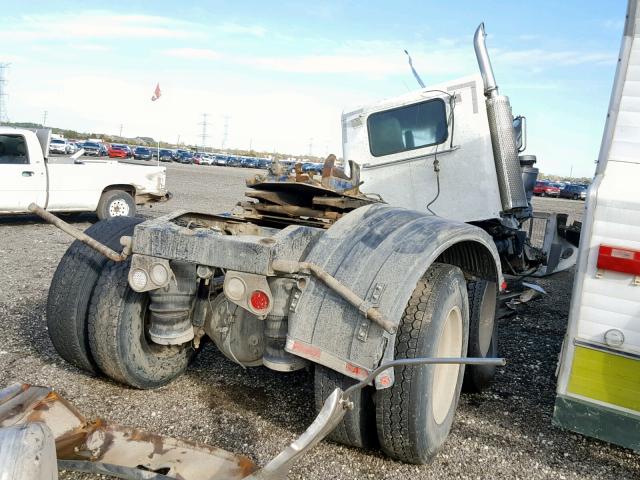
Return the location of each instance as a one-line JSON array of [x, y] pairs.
[[415, 74], [203, 135], [225, 133], [4, 117]]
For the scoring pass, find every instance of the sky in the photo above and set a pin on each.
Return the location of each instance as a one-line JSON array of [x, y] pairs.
[[279, 74]]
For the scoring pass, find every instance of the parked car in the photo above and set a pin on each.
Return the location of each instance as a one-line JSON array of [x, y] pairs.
[[71, 148], [264, 163], [103, 150], [311, 167], [249, 162], [166, 155], [546, 189], [185, 157], [129, 151], [575, 192], [118, 151], [142, 153], [233, 161], [207, 159], [58, 145], [92, 148], [221, 160]]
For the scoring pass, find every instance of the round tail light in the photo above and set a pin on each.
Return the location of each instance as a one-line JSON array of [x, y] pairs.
[[259, 300]]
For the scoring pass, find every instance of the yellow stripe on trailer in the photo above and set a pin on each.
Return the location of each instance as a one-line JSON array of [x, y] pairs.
[[606, 377]]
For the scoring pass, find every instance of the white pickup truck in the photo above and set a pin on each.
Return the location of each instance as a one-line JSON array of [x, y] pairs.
[[108, 188]]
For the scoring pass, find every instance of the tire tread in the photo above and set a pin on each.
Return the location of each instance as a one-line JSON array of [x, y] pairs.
[[71, 289]]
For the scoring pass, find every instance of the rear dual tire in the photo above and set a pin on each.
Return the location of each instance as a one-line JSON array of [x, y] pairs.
[[96, 322], [118, 335], [414, 416], [358, 427], [483, 334], [73, 285]]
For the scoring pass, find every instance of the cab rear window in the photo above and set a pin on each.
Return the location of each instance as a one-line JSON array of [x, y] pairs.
[[13, 150], [408, 128]]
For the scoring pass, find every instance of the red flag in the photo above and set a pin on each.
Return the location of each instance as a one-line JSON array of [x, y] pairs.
[[156, 93]]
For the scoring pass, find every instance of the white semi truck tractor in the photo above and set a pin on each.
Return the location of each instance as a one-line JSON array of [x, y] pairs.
[[399, 255]]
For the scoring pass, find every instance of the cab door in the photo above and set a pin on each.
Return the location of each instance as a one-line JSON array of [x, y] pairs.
[[22, 176]]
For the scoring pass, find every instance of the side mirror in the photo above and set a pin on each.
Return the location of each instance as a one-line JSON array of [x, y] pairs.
[[520, 128]]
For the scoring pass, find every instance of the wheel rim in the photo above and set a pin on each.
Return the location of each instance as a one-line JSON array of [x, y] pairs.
[[445, 377], [118, 208], [487, 318]]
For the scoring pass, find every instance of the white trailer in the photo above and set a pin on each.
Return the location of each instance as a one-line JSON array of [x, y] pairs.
[[598, 390]]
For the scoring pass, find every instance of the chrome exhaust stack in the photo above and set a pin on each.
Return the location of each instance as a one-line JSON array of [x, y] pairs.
[[484, 62], [503, 137]]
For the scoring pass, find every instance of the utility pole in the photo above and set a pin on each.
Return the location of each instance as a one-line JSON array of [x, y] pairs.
[[178, 141], [44, 118], [571, 172], [225, 133], [4, 117], [204, 135], [250, 144], [311, 147], [120, 130]]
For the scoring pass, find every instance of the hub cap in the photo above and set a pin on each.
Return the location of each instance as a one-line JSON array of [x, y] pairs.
[[118, 208], [445, 377]]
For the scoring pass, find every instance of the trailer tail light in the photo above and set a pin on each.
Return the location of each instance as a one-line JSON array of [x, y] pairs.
[[617, 259], [259, 300]]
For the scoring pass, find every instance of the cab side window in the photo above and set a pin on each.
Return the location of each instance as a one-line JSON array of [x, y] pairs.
[[13, 150], [407, 128]]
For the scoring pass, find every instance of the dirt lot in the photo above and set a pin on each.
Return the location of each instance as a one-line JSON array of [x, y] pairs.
[[505, 432]]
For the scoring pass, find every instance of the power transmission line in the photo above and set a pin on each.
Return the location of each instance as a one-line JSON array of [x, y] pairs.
[[225, 134], [204, 135], [4, 117]]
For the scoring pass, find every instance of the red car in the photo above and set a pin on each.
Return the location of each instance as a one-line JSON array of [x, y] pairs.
[[546, 189], [118, 151]]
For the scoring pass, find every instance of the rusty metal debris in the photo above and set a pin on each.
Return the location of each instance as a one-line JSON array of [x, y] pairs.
[[112, 448], [315, 198]]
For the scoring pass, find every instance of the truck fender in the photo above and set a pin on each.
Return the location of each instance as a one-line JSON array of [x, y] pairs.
[[380, 252]]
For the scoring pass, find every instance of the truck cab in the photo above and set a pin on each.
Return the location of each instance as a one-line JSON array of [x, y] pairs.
[[398, 141]]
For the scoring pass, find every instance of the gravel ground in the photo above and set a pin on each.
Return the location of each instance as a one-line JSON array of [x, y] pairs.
[[505, 432]]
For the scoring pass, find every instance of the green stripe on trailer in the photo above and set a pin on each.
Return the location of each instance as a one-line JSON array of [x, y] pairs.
[[606, 377], [593, 420]]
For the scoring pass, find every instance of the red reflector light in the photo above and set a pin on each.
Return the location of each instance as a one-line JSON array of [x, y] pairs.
[[259, 300], [503, 286], [619, 259]]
